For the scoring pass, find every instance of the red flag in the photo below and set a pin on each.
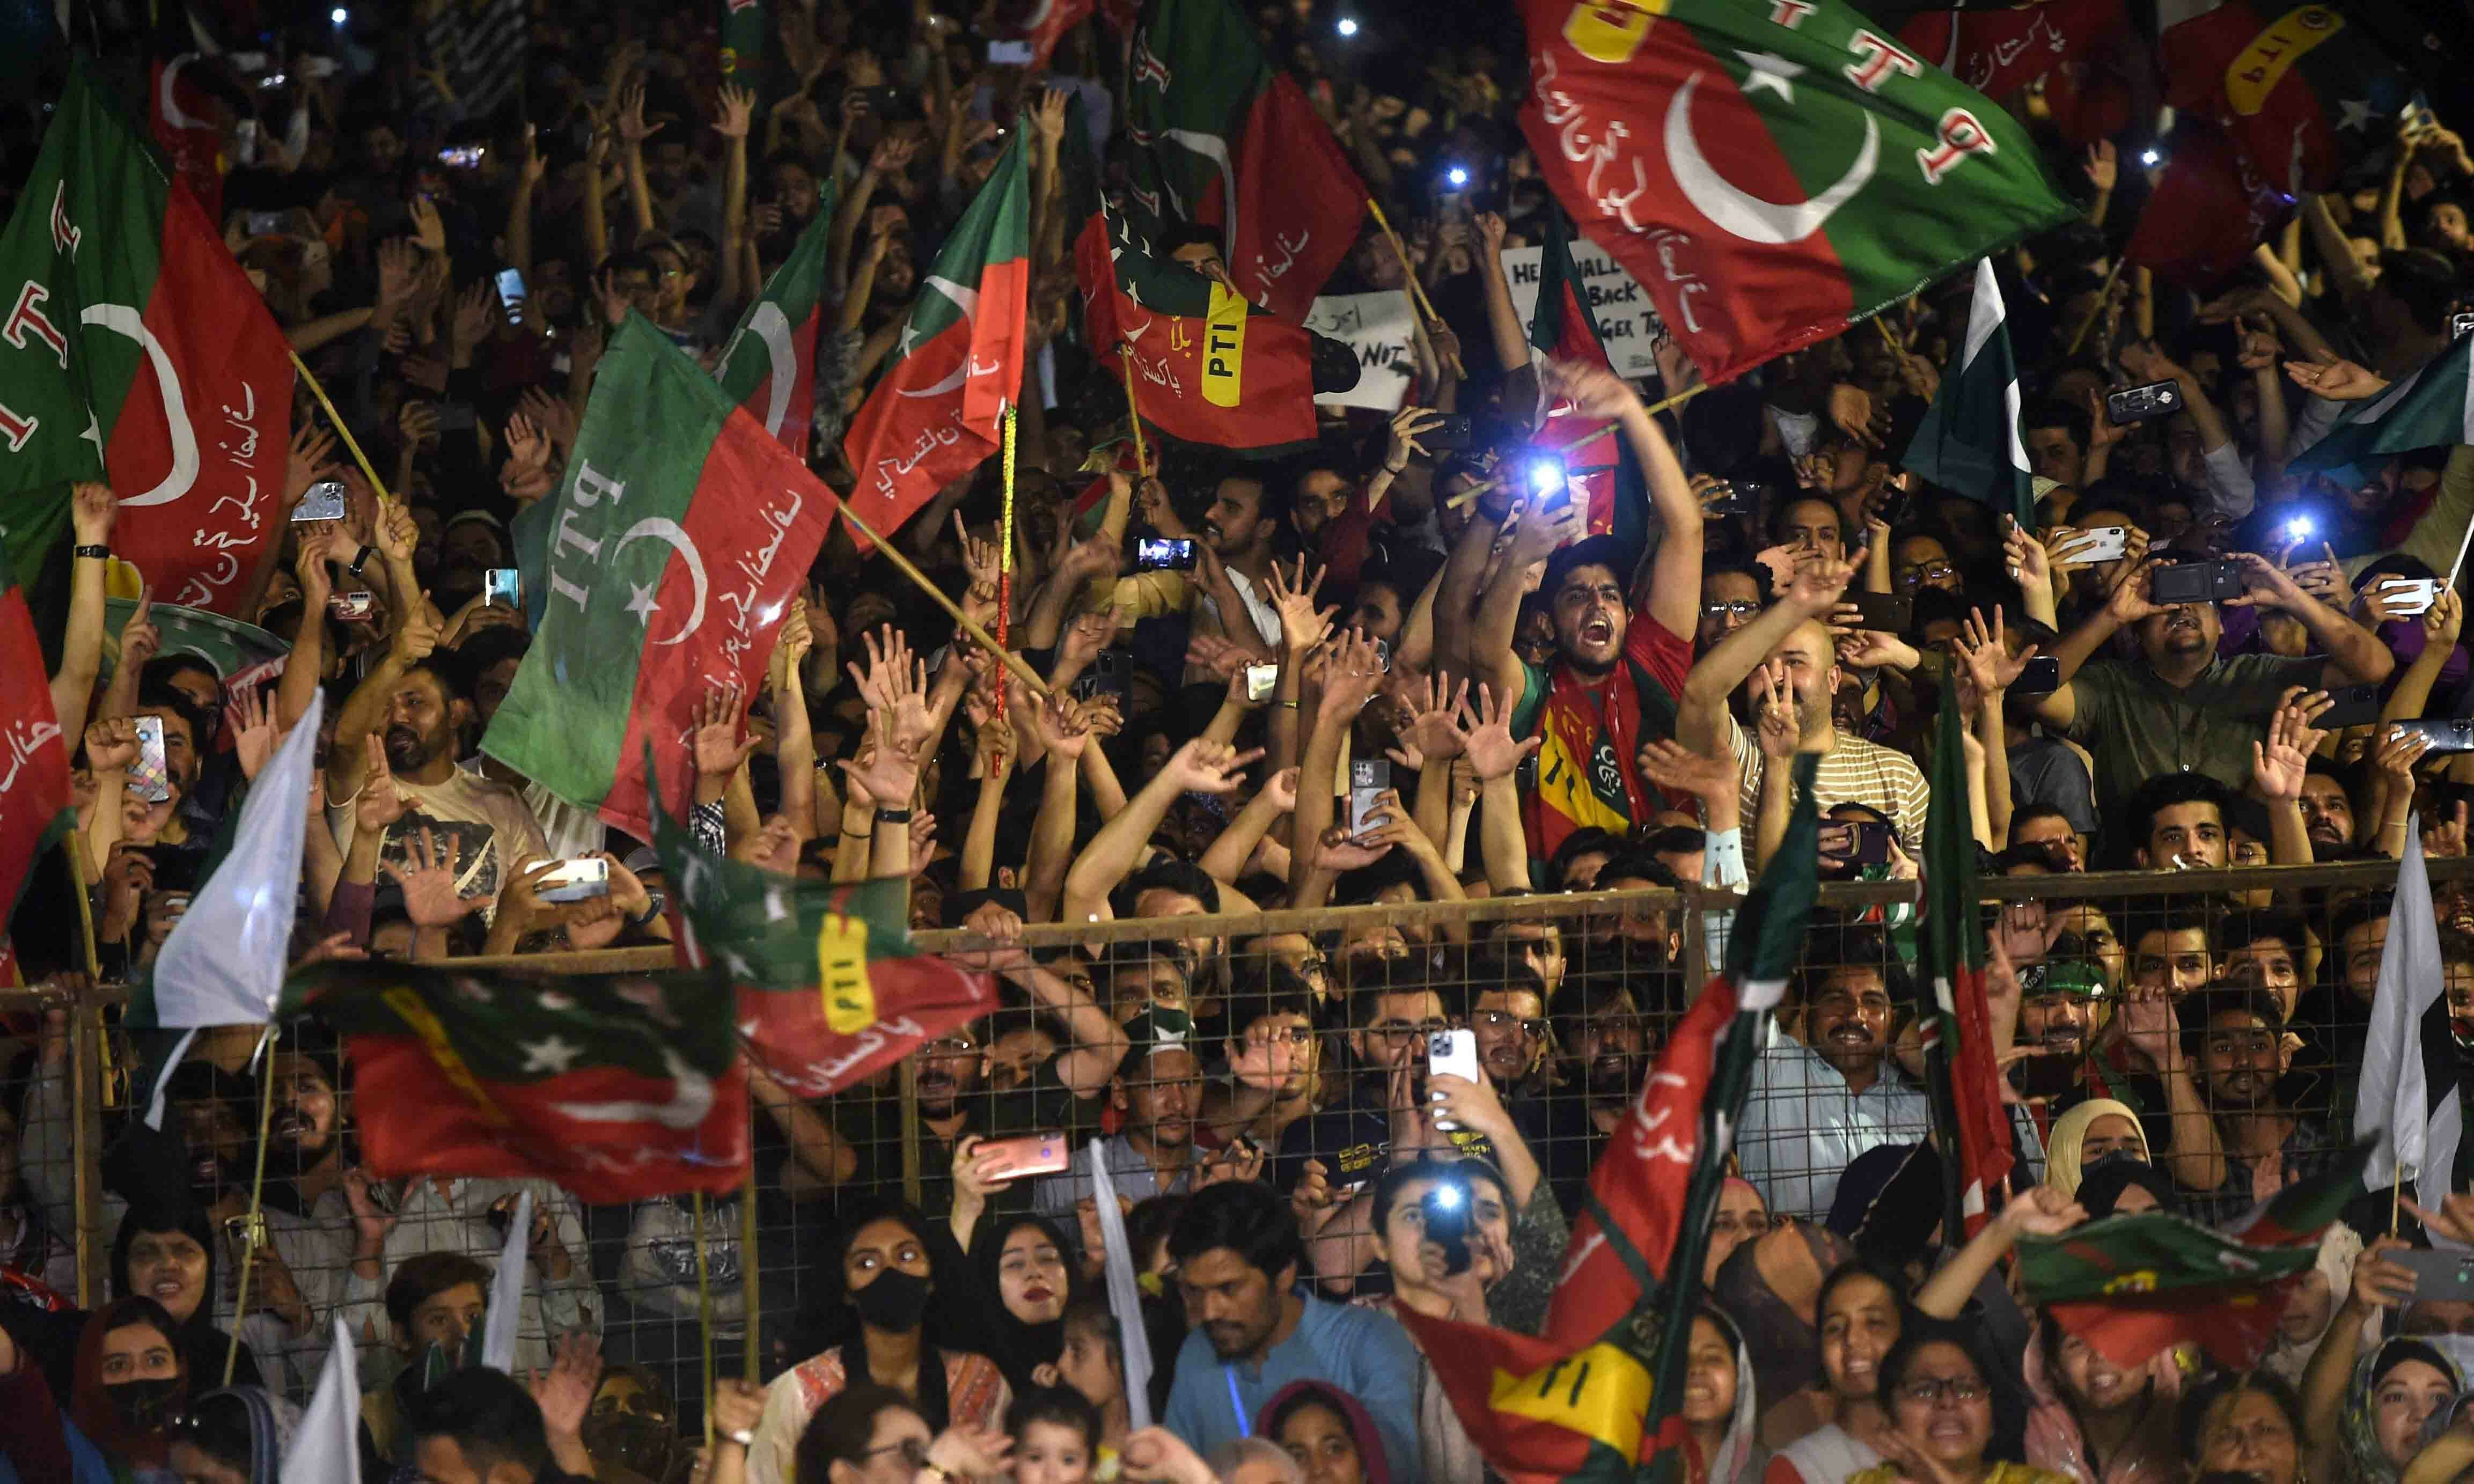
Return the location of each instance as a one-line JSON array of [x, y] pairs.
[[2208, 210], [181, 117], [1042, 23], [34, 759], [2300, 90], [1998, 52]]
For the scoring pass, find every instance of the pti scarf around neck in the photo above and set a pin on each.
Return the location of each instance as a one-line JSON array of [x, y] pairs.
[[1590, 732]]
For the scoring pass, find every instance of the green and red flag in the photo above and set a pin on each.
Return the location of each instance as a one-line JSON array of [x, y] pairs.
[[1770, 173], [619, 1086], [666, 562], [1969, 441], [2131, 1285], [828, 987], [1221, 138], [133, 351], [934, 415], [1209, 368], [1589, 1399], [35, 808], [747, 44], [1969, 1127], [768, 365], [2303, 92], [1038, 24], [1565, 327]]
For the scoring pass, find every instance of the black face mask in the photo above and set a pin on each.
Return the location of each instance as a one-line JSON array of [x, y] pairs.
[[142, 1407], [893, 1303], [633, 1441]]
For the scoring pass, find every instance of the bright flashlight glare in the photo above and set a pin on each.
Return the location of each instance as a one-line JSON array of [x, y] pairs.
[[2150, 157], [1347, 27]]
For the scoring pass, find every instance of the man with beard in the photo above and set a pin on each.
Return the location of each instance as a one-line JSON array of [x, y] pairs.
[[1507, 1012], [2327, 809], [1619, 658], [308, 1216], [1815, 1105], [1790, 646], [419, 706], [2235, 1037], [2182, 706], [1158, 1092], [1608, 1042]]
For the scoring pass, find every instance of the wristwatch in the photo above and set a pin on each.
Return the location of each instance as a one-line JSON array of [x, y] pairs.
[[894, 816], [361, 559], [99, 553], [744, 1436]]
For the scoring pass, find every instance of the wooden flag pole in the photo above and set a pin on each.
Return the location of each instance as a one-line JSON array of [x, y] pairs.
[[2101, 295], [256, 1188], [1416, 290], [749, 1358], [1004, 564], [1133, 413], [1013, 662], [343, 432], [704, 1315]]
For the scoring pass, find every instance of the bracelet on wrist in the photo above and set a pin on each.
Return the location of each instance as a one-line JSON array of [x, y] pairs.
[[95, 553], [894, 816]]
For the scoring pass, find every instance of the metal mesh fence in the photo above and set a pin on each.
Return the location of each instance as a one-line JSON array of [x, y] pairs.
[[2224, 1011]]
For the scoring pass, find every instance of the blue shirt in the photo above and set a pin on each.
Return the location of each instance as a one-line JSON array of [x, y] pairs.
[[1364, 1353]]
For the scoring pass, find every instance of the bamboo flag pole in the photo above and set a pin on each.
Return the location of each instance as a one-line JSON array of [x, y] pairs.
[[704, 1316], [2098, 309], [1416, 290], [256, 1188], [1133, 413], [748, 1359], [1015, 663], [342, 430]]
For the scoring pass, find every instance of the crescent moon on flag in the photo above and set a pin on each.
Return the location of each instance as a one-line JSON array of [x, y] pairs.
[[171, 106], [122, 319], [687, 1109], [1747, 216], [669, 533], [967, 300], [771, 325]]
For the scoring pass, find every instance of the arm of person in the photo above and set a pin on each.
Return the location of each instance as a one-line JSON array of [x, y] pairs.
[[2041, 1211], [1491, 657], [1700, 721], [1224, 859], [2355, 655], [851, 846], [2335, 255], [1051, 830], [820, 1157], [979, 840], [1112, 852], [1099, 1044], [737, 112], [1441, 885], [2378, 1284], [1456, 595], [1350, 679], [364, 711], [1100, 776], [93, 509], [2128, 604]]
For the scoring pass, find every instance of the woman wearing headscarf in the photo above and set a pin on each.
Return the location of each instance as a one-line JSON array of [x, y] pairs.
[[2243, 1422], [1720, 1402], [1327, 1431], [2097, 1129], [888, 1276], [1020, 1281], [239, 1430], [2097, 1422], [2363, 1415], [166, 1252], [131, 1380]]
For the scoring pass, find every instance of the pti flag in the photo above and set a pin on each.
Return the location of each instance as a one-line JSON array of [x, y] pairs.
[[1603, 1387], [1969, 1125], [1968, 441], [2409, 1106], [2208, 210], [682, 534], [828, 987], [1208, 367], [1996, 52], [1771, 173], [2131, 1285], [934, 415], [1220, 139], [135, 351], [2303, 93], [1564, 326], [768, 366], [181, 116], [35, 808], [619, 1086]]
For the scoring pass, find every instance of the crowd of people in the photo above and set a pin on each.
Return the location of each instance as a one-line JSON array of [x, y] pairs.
[[1555, 708]]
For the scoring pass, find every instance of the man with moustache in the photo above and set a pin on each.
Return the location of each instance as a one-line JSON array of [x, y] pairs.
[[2234, 1035], [419, 704], [1813, 1105], [1158, 1092], [1607, 1043], [307, 1211]]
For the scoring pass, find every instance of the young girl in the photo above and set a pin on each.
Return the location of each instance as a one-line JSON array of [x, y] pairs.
[[1093, 1367], [1055, 1433]]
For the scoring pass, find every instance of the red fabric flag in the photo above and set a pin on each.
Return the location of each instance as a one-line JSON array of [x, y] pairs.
[[2210, 207]]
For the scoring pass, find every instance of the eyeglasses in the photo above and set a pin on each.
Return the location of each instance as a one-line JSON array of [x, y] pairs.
[[1918, 576], [952, 1046], [1741, 608], [1497, 1020], [914, 1452], [1314, 964], [1398, 1032], [1928, 1391]]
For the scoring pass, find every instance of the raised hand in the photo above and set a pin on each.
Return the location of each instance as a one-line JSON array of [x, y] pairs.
[[630, 118], [1433, 729], [257, 736], [1485, 735], [1205, 766], [1281, 789], [111, 743], [1302, 624], [1672, 765], [738, 108], [564, 1394], [140, 638], [1593, 391], [1406, 425], [1778, 727], [1353, 677], [2444, 619], [2278, 763], [93, 509], [1986, 659], [429, 877], [380, 803], [1058, 723], [417, 423], [720, 741], [2101, 165], [980, 558], [2339, 381]]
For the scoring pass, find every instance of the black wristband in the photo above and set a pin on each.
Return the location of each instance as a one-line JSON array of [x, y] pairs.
[[96, 553], [361, 559], [894, 816]]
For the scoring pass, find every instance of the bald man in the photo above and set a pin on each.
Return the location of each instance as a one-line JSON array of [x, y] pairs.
[[1788, 641]]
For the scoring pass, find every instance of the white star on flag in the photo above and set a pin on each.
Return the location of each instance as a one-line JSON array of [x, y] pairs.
[[552, 1056], [643, 606], [2354, 113], [1769, 71]]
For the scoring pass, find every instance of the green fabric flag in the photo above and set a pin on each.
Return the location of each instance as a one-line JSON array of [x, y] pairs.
[[2432, 407], [829, 987], [768, 365], [2131, 1285], [677, 542], [133, 351], [1969, 440], [1971, 1131], [619, 1086]]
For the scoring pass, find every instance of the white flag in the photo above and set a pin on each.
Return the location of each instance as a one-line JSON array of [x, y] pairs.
[[1125, 1299], [2409, 1051], [224, 962], [507, 1291], [326, 1447]]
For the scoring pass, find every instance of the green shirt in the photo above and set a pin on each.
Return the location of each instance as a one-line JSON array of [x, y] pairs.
[[2136, 725]]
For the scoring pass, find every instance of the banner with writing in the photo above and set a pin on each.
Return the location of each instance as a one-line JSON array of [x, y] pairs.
[[1381, 329], [1626, 318]]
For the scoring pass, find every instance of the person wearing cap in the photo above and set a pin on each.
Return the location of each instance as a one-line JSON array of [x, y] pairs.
[[1159, 1093]]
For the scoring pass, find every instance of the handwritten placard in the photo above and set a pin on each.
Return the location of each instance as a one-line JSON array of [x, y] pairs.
[[1380, 329], [1626, 318]]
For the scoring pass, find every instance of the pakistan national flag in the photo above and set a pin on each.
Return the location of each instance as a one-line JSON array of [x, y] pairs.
[[1970, 1127], [619, 1086], [829, 987], [768, 365], [133, 351], [2431, 409], [935, 414], [1601, 1391], [663, 568], [1969, 441]]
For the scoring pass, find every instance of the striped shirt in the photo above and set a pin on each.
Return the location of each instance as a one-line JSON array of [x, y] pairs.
[[1853, 772]]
